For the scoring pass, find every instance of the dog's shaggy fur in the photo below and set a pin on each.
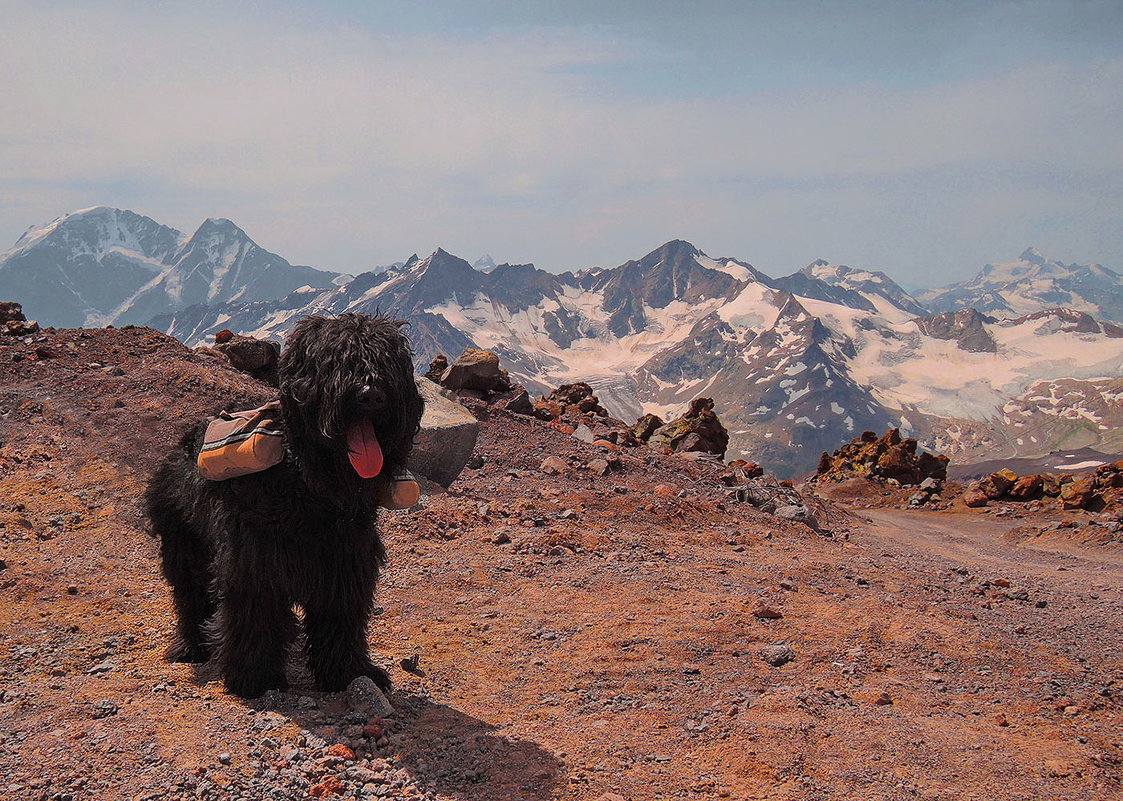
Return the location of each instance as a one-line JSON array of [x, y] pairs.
[[241, 553]]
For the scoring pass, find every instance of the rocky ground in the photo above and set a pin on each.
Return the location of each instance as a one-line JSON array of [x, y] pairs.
[[634, 635]]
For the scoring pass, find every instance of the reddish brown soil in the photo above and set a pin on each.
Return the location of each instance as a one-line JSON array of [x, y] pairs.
[[608, 649]]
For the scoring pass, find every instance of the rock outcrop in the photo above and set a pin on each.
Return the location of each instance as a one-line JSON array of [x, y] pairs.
[[888, 456], [699, 430], [475, 369], [1094, 490], [569, 399], [965, 328], [575, 409], [479, 382], [13, 322]]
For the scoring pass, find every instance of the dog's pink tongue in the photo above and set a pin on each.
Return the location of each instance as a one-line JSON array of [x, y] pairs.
[[363, 450]]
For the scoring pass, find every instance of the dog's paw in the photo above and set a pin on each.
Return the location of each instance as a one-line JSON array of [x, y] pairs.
[[340, 680], [380, 677], [251, 686], [182, 651]]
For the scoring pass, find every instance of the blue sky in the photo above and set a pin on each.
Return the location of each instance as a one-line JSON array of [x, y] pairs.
[[921, 138]]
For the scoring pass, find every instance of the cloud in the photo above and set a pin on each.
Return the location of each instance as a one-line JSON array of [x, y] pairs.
[[344, 147]]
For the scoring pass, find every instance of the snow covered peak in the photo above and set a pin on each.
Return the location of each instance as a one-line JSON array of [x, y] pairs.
[[868, 290], [828, 271], [485, 263], [96, 230], [220, 227], [840, 274], [817, 265], [105, 265], [1034, 283]]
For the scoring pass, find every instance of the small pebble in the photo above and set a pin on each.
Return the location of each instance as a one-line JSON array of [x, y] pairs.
[[777, 655]]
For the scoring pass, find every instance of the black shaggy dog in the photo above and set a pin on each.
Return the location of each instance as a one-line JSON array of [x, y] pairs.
[[241, 553]]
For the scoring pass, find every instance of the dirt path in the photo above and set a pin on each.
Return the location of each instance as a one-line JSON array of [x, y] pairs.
[[984, 544]]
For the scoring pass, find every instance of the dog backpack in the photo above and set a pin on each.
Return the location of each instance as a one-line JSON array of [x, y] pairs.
[[240, 443]]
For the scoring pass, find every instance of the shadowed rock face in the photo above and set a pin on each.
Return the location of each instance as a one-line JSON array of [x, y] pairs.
[[963, 327], [447, 436]]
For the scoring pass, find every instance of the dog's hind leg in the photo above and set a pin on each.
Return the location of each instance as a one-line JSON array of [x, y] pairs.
[[185, 561], [336, 631]]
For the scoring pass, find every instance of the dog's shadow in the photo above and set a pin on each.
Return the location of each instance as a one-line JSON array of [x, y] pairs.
[[441, 748]]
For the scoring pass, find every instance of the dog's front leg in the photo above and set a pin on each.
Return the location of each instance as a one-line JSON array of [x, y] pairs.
[[337, 642], [250, 632]]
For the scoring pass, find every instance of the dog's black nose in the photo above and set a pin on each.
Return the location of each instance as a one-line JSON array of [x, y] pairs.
[[371, 398]]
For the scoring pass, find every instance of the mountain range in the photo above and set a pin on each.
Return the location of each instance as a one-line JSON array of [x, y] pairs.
[[1022, 359], [101, 265]]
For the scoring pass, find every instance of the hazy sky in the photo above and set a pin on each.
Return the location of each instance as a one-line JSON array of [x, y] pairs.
[[921, 138]]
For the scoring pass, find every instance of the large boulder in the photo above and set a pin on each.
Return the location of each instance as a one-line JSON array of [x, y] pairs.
[[647, 425], [899, 461], [515, 400], [989, 488], [447, 437], [11, 311], [547, 410], [1026, 488], [1051, 484], [975, 498], [932, 465], [1003, 480], [699, 430], [477, 370], [1078, 493], [1109, 476], [480, 384]]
